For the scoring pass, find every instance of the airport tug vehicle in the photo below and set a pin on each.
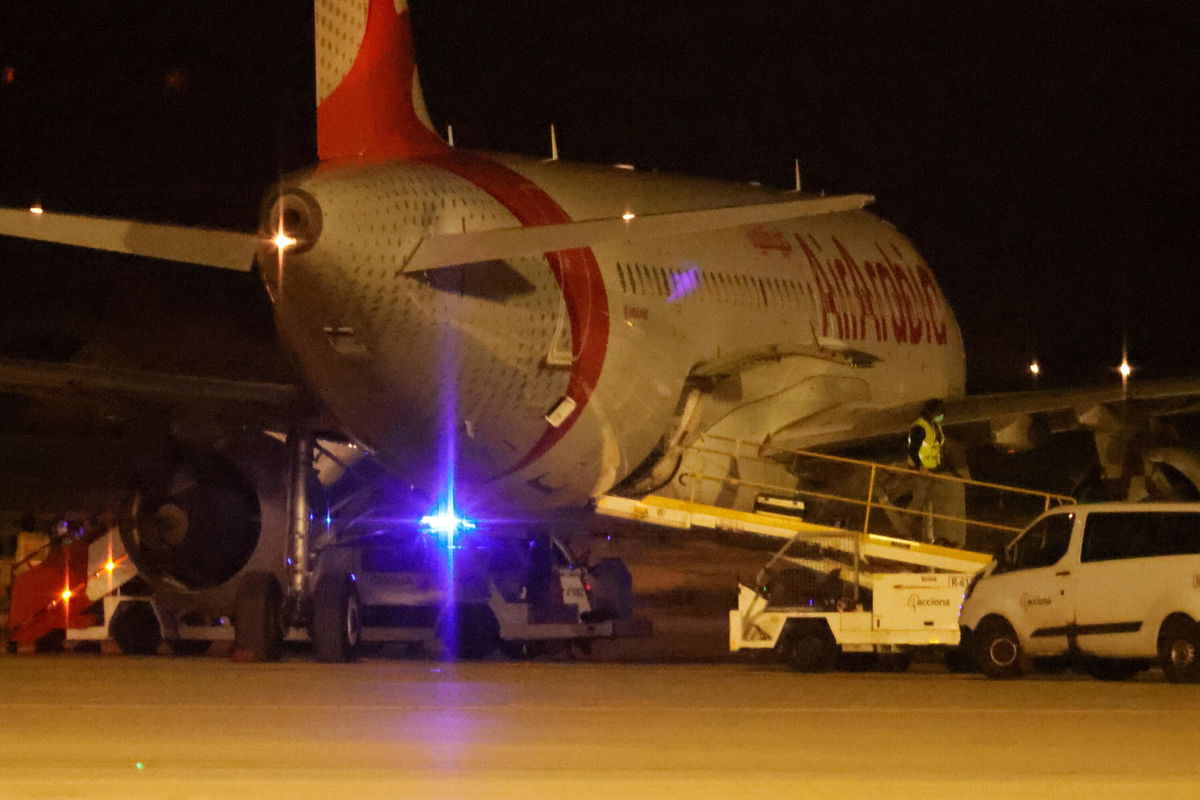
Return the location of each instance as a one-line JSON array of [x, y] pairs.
[[441, 584], [445, 582]]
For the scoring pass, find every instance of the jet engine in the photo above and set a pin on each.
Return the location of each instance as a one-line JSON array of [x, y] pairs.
[[196, 523]]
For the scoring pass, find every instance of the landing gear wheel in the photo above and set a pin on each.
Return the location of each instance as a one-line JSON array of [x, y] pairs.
[[337, 620], [1179, 651], [997, 650], [895, 662], [1113, 669], [258, 618], [189, 647], [135, 629], [469, 632], [809, 649]]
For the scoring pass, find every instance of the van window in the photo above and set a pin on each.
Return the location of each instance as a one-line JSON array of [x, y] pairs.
[[1040, 546], [1140, 534]]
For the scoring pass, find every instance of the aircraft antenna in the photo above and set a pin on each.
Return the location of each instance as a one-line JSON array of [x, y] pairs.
[[553, 143], [796, 165], [450, 135]]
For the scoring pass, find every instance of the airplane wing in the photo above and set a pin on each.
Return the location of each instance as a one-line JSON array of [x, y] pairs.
[[46, 379], [454, 249], [848, 425], [213, 248], [232, 250], [1172, 395]]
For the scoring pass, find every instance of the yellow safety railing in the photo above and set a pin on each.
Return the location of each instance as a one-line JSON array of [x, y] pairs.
[[1023, 504]]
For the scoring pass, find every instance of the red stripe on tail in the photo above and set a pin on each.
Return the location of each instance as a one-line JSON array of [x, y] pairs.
[[371, 113]]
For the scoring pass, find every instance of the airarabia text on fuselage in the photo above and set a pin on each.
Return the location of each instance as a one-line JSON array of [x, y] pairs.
[[871, 298]]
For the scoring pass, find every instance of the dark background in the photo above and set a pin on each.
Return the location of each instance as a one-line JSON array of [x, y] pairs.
[[1042, 156]]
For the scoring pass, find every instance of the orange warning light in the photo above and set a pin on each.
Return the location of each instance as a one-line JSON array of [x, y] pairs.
[[66, 595], [110, 566]]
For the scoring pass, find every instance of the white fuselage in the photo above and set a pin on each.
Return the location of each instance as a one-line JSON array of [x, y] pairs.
[[464, 364]]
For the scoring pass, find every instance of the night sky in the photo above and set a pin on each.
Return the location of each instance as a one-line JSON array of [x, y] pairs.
[[1042, 156]]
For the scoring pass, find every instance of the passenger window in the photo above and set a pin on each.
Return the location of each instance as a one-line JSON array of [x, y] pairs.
[[1040, 546], [1180, 533], [1140, 534]]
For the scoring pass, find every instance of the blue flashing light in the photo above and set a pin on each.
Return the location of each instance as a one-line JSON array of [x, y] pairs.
[[446, 524]]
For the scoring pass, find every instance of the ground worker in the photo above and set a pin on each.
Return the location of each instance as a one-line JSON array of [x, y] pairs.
[[931, 500]]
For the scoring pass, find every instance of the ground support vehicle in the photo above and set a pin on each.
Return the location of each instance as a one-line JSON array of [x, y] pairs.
[[1108, 588], [817, 603], [524, 593]]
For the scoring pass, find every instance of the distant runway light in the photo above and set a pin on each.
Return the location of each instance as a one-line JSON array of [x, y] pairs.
[[10, 75], [628, 215], [35, 209], [1035, 368], [624, 166], [1125, 369]]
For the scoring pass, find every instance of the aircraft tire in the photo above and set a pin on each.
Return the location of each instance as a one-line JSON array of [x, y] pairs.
[[337, 620], [135, 629], [258, 618]]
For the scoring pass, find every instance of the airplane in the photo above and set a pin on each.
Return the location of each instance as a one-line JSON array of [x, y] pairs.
[[535, 333]]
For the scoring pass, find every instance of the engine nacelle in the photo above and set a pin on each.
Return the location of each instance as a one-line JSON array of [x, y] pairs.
[[1019, 433], [193, 526]]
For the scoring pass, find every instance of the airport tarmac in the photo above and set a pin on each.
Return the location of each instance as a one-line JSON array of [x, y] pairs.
[[86, 726]]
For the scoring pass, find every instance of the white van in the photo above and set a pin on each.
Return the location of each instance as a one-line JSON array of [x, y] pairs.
[[1115, 586]]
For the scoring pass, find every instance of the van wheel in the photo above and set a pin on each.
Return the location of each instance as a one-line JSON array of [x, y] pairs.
[[1179, 650], [809, 648], [997, 650], [1113, 669]]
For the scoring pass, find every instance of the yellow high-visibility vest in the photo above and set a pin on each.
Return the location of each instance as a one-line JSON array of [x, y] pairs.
[[931, 447]]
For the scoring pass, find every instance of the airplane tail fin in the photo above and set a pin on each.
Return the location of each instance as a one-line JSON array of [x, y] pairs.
[[369, 101]]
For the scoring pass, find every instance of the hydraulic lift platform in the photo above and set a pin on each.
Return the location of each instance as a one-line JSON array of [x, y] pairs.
[[829, 596]]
